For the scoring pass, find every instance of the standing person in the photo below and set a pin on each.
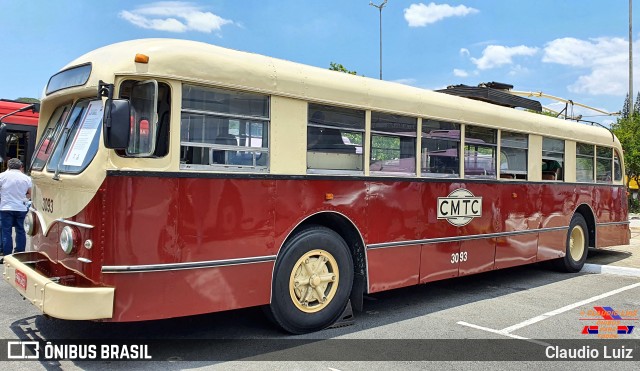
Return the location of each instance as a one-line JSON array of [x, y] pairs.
[[15, 192]]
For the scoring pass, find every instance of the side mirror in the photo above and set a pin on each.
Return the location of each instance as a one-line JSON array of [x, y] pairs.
[[116, 123]]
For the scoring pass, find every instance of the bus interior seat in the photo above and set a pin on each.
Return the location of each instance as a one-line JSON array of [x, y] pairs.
[[475, 171], [162, 144], [552, 175], [551, 170], [164, 110], [507, 176], [328, 140], [219, 155]]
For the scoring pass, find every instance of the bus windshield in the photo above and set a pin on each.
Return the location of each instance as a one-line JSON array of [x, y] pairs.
[[51, 133], [76, 139]]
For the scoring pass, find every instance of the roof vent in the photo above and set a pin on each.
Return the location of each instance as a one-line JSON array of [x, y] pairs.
[[494, 93]]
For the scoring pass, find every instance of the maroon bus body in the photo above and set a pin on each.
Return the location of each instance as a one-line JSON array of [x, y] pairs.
[[164, 218]]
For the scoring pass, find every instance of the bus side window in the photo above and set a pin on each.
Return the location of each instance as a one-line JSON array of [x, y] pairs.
[[224, 130], [164, 115], [513, 155], [480, 152], [552, 159], [584, 162], [163, 111], [617, 166], [334, 139], [604, 161], [440, 152], [393, 143]]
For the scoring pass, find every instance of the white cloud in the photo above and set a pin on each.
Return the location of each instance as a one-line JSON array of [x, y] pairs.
[[498, 55], [604, 62], [174, 16], [518, 70], [581, 53], [460, 73], [464, 52], [610, 81], [420, 15]]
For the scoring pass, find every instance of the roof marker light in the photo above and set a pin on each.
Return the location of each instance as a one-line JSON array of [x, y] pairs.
[[141, 58]]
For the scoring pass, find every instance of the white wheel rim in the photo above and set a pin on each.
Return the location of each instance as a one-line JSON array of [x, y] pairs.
[[576, 243]]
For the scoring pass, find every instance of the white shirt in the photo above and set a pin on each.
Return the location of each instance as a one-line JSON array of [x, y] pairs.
[[13, 190]]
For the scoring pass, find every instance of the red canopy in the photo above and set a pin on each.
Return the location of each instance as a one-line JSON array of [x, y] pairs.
[[21, 118]]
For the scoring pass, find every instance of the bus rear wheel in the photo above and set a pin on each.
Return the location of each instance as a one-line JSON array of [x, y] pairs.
[[312, 281], [577, 246]]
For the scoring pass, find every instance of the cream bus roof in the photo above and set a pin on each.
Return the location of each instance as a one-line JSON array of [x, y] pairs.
[[198, 62]]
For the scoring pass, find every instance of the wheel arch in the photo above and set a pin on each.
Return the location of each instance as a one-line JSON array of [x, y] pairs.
[[588, 215], [347, 229]]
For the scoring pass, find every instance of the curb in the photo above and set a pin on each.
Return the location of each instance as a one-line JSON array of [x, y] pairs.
[[611, 269]]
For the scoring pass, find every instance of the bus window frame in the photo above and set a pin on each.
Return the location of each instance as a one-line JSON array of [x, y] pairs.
[[617, 173], [549, 157], [317, 121], [67, 142], [64, 72], [135, 126], [608, 169], [379, 132], [473, 145], [56, 131], [586, 155], [512, 174], [256, 152]]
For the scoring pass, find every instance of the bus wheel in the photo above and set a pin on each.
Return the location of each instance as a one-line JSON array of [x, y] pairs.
[[312, 281], [577, 246]]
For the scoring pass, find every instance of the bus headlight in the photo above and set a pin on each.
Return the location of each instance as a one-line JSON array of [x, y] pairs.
[[30, 224], [68, 239]]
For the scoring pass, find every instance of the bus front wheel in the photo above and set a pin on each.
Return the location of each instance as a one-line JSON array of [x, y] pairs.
[[577, 246], [312, 281]]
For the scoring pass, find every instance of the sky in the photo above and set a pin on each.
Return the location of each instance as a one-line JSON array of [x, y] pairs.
[[573, 49]]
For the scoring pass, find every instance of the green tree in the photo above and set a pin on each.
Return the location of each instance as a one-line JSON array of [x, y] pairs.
[[626, 108], [27, 100], [626, 128], [340, 68], [636, 106]]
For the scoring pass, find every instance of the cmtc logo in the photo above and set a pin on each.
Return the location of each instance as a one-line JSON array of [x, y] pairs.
[[459, 207], [608, 322]]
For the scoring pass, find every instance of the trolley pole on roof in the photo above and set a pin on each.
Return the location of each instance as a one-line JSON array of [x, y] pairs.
[[380, 9]]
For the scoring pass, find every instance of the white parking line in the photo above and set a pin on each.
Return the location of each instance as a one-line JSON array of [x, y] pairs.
[[568, 308], [500, 332], [611, 269], [487, 329], [508, 330]]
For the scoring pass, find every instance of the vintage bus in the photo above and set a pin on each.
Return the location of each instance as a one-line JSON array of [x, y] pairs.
[[18, 125], [175, 178]]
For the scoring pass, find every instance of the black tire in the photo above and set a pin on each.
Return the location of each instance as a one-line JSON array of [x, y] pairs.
[[326, 252], [576, 246]]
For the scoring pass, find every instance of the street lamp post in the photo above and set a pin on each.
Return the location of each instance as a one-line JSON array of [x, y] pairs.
[[630, 59], [380, 9]]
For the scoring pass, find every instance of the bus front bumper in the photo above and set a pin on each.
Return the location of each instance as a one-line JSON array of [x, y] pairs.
[[51, 297]]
